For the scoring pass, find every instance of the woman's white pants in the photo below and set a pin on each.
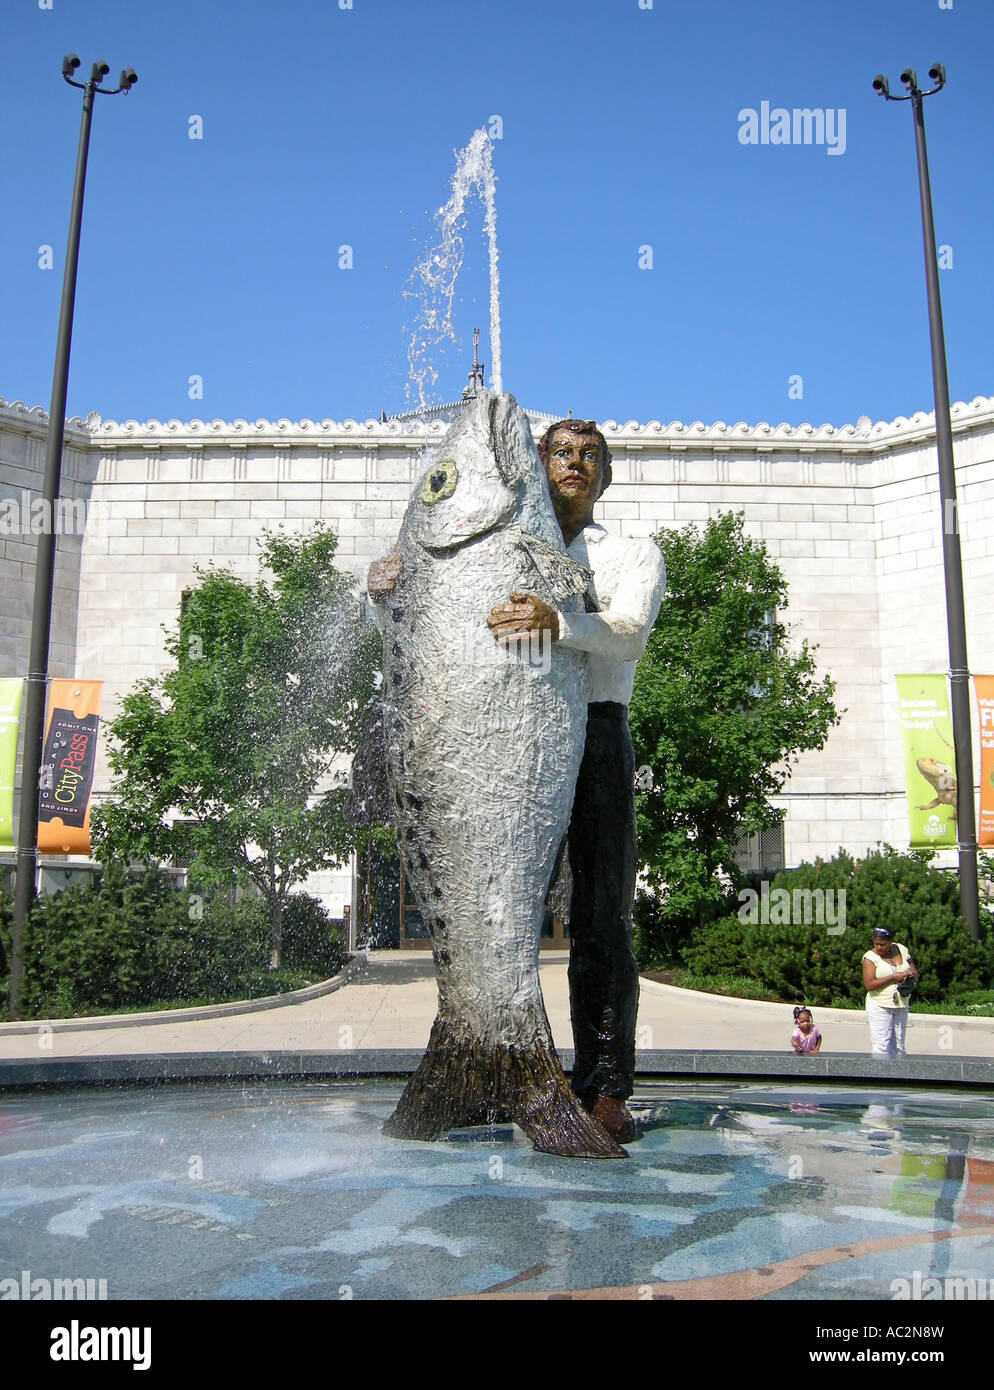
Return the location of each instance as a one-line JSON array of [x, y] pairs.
[[886, 1030]]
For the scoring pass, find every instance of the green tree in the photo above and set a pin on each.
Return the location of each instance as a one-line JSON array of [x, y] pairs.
[[722, 706], [228, 760]]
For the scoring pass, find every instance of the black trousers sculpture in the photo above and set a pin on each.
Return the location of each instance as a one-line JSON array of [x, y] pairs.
[[603, 976]]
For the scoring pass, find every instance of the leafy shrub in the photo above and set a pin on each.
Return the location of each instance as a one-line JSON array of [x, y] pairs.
[[6, 931], [261, 983], [311, 939], [129, 942], [207, 948], [661, 936], [920, 905], [85, 947], [657, 939]]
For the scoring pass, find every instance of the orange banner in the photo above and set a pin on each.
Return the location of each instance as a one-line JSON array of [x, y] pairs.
[[71, 732], [984, 686]]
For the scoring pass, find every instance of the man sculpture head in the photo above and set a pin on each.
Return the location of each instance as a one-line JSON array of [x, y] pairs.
[[577, 464], [576, 434]]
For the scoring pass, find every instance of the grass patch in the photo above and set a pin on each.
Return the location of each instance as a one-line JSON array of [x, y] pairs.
[[734, 986]]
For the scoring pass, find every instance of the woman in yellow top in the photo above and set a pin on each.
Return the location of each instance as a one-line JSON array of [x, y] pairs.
[[885, 967]]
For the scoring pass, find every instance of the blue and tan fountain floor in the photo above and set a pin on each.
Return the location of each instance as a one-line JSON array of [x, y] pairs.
[[734, 1191]]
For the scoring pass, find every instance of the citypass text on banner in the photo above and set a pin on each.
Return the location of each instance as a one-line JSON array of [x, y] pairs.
[[67, 766], [929, 760], [984, 686], [11, 693]]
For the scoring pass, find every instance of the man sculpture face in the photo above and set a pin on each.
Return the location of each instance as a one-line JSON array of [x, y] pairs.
[[574, 465], [578, 468]]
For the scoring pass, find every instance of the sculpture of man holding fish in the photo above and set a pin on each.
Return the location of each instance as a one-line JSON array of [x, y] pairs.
[[483, 750]]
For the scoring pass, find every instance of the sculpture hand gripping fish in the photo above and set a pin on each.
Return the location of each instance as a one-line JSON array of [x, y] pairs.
[[483, 748]]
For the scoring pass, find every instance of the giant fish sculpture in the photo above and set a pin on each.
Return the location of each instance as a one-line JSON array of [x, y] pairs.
[[483, 745]]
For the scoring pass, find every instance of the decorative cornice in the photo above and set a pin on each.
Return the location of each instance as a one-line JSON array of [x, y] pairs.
[[407, 432], [268, 431], [922, 424], [33, 419]]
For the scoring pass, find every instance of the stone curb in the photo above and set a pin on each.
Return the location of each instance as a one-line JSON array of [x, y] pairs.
[[345, 1066], [731, 1001], [201, 1011]]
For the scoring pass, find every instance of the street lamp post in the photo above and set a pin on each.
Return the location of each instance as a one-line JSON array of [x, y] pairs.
[[959, 671], [41, 619]]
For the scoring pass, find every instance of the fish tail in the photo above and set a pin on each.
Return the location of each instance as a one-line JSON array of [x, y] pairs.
[[465, 1081]]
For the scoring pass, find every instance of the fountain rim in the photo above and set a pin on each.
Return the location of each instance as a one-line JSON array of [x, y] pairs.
[[55, 1073]]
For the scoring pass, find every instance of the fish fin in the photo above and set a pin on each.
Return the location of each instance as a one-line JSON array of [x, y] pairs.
[[462, 1081], [564, 579]]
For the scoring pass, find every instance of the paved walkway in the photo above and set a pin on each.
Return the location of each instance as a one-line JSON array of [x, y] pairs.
[[389, 1004]]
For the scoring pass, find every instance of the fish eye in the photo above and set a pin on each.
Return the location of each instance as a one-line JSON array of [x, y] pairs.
[[440, 482]]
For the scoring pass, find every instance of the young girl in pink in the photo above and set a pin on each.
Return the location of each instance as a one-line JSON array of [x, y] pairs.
[[805, 1037]]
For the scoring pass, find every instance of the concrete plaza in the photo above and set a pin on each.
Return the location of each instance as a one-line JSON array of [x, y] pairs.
[[388, 1004]]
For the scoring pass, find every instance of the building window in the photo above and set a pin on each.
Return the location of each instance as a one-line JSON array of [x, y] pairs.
[[763, 641], [762, 852], [181, 861]]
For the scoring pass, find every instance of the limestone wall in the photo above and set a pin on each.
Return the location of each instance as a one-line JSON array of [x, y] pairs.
[[22, 469], [850, 514]]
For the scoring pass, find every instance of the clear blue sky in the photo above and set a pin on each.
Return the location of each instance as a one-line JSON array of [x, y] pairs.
[[322, 126]]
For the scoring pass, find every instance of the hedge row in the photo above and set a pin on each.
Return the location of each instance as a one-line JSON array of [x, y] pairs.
[[131, 942], [817, 961]]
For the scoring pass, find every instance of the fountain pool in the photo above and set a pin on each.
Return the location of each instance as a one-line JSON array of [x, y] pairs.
[[226, 1190]]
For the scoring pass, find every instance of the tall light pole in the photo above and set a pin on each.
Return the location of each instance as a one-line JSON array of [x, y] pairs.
[[959, 671], [41, 618]]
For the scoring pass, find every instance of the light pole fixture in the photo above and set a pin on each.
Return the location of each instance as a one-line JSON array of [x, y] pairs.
[[959, 671], [41, 618]]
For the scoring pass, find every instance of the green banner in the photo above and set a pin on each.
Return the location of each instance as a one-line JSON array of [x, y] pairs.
[[929, 760], [10, 720]]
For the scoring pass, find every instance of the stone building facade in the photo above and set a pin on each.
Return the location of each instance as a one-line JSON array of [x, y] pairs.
[[850, 514]]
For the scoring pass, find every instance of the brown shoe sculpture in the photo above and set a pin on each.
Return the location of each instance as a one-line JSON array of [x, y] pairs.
[[616, 1118]]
